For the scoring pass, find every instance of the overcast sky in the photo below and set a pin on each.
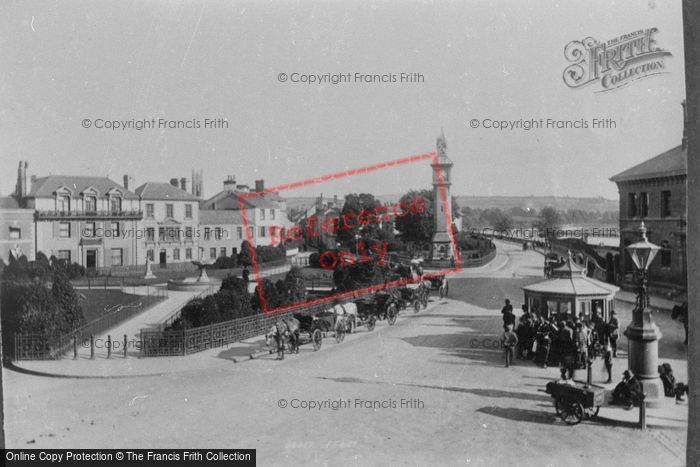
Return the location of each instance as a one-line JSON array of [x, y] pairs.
[[63, 62]]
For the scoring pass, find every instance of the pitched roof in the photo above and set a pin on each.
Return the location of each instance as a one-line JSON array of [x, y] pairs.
[[667, 164], [216, 217], [230, 200], [7, 202], [45, 187], [578, 285], [163, 192]]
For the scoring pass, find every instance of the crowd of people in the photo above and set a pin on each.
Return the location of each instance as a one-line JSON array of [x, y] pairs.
[[569, 342]]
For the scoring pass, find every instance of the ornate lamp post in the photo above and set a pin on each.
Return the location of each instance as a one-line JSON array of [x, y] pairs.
[[642, 333]]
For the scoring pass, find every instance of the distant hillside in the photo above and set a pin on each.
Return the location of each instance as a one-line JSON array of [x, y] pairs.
[[502, 202], [539, 202]]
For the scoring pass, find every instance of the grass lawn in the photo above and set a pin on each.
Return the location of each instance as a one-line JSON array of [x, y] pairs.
[[98, 302]]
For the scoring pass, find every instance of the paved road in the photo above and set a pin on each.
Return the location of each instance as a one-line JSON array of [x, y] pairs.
[[430, 390]]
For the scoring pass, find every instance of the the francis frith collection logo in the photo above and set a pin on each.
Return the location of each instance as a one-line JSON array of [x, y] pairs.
[[615, 63]]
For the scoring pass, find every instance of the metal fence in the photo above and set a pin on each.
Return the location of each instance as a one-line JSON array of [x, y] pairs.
[[42, 347], [155, 343]]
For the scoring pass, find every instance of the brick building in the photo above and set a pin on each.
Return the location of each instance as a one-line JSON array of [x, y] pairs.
[[655, 192]]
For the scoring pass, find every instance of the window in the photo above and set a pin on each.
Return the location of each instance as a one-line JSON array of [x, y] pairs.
[[239, 231], [149, 255], [169, 210], [188, 253], [64, 230], [150, 234], [212, 253], [665, 254], [116, 204], [632, 205], [63, 203], [217, 233], [15, 233], [262, 214], [262, 231], [188, 211], [188, 233], [223, 251], [115, 229], [176, 254], [64, 255], [665, 203], [272, 214], [149, 210], [90, 204], [161, 234], [117, 257], [207, 233], [643, 204], [89, 230]]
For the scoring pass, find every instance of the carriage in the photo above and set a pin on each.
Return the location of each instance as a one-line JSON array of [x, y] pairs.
[[439, 283], [383, 305], [414, 295], [575, 401]]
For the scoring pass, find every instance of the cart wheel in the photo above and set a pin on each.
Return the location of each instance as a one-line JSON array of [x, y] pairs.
[[316, 339], [592, 412], [425, 302], [371, 323], [339, 335], [391, 314], [572, 413], [416, 306]]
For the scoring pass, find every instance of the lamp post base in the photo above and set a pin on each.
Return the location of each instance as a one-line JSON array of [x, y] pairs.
[[643, 355]]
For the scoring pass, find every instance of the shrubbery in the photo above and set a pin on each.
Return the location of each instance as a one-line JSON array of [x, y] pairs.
[[233, 301], [42, 268], [31, 306]]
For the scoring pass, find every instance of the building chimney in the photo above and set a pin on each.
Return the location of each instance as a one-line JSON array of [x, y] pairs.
[[174, 182], [684, 141], [21, 186], [129, 182], [230, 183], [183, 184], [260, 185], [243, 188]]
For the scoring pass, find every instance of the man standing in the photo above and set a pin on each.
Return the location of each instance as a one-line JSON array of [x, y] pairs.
[[613, 332], [509, 340], [508, 316]]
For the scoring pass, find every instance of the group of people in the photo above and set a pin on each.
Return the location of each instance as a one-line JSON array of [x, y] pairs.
[[568, 341]]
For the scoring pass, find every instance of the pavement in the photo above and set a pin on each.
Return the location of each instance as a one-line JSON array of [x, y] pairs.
[[430, 390]]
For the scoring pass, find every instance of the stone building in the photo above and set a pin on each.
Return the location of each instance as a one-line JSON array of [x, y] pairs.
[[16, 230], [655, 192]]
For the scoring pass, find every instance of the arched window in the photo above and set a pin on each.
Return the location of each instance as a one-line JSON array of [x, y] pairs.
[[665, 254]]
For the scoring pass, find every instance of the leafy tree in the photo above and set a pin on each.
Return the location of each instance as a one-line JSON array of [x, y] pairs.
[[416, 227], [244, 257], [549, 222], [354, 205]]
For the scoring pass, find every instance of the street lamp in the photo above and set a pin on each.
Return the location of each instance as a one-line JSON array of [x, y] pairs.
[[643, 334]]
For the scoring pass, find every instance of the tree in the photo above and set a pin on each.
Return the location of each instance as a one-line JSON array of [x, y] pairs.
[[244, 257], [354, 205], [548, 222], [416, 227]]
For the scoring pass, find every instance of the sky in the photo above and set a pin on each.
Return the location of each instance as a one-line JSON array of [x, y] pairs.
[[64, 62]]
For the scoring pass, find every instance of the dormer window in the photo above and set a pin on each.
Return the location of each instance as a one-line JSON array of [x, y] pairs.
[[90, 203], [116, 204], [63, 203]]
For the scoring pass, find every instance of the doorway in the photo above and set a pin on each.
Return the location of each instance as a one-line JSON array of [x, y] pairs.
[[163, 257], [91, 259]]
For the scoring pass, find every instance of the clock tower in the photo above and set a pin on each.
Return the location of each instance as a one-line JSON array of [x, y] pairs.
[[441, 242]]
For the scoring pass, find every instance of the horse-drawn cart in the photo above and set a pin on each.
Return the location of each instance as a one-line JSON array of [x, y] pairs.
[[383, 305], [574, 401]]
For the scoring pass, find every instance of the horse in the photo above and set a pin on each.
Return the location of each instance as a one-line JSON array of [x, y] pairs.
[[347, 313], [284, 331]]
